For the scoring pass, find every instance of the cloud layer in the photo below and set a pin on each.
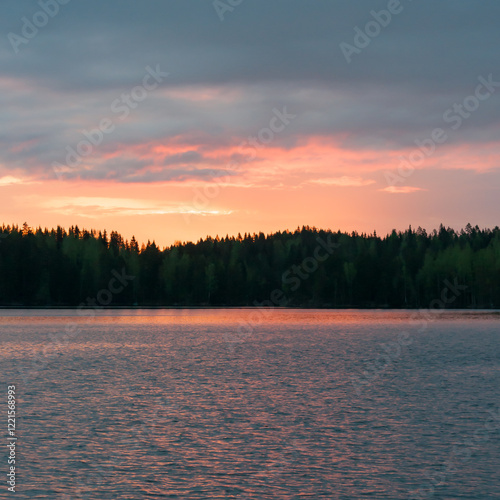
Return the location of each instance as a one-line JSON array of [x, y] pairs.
[[263, 99]]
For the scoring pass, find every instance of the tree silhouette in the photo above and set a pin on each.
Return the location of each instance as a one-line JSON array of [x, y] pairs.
[[42, 267]]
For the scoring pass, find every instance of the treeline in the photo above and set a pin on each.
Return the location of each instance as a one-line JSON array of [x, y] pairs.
[[307, 267]]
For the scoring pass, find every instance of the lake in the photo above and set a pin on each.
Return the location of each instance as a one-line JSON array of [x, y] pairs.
[[253, 404]]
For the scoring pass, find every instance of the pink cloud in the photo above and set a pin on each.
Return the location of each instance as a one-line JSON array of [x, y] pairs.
[[402, 189]]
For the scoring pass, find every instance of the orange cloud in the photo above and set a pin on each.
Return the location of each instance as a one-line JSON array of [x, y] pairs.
[[344, 181], [402, 189]]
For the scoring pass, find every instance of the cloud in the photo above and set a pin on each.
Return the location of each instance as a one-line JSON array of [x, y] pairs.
[[343, 181], [402, 189], [95, 207], [9, 180], [226, 78], [254, 44]]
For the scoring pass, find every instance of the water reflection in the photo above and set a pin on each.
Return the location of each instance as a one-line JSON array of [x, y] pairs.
[[154, 404]]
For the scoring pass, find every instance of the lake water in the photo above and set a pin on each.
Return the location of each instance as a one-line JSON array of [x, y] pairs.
[[245, 404]]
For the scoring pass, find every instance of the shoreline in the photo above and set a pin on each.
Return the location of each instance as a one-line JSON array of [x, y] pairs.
[[346, 308]]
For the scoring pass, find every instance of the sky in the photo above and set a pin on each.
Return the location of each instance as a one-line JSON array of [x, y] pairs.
[[176, 120]]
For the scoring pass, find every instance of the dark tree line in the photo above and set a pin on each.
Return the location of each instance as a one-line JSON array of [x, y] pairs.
[[403, 269]]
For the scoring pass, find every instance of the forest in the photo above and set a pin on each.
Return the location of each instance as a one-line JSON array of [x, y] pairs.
[[307, 267]]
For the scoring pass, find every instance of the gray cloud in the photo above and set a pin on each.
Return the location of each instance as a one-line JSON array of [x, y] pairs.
[[106, 44], [264, 55]]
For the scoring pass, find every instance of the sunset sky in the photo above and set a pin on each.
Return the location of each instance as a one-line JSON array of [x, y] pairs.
[[254, 115]]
